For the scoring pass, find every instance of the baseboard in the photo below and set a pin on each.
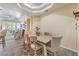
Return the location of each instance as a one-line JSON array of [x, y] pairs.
[[69, 48]]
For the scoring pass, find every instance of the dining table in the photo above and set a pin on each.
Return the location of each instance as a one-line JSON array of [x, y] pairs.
[[43, 40]]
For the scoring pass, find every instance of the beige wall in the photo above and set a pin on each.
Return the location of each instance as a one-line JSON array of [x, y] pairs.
[[61, 21], [77, 10]]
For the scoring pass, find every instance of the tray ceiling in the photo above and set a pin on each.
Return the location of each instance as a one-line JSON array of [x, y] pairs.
[[35, 7]]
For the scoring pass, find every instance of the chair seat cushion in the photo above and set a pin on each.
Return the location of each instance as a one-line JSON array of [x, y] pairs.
[[38, 47], [50, 49]]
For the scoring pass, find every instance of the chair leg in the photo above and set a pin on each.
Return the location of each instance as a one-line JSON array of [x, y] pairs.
[[3, 41], [54, 53]]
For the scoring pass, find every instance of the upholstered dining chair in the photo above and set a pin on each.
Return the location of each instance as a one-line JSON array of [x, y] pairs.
[[26, 44], [26, 40], [55, 46], [30, 45], [37, 48], [2, 37]]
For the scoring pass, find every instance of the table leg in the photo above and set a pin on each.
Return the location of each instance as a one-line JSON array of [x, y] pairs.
[[45, 50]]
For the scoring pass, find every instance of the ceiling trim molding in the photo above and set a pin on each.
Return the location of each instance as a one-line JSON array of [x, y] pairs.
[[35, 7], [30, 10]]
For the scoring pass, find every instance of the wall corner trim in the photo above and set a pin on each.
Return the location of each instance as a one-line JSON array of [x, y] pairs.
[[69, 48]]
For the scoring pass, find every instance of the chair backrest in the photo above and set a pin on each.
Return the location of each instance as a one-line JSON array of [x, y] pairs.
[[33, 39], [47, 34], [55, 43], [26, 38], [3, 32]]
